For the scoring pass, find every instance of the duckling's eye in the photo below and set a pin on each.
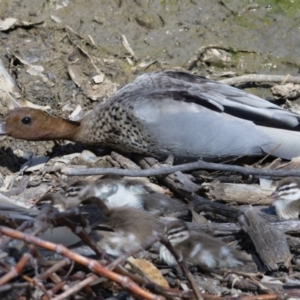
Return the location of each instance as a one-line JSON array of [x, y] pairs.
[[26, 120]]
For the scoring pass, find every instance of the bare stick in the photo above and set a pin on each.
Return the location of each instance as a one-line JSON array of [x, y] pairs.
[[260, 78], [184, 167], [52, 269], [16, 270], [76, 287]]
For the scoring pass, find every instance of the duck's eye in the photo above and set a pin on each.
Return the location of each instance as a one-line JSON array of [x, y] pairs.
[[26, 120]]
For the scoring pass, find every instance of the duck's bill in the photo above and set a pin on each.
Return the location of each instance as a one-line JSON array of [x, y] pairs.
[[2, 128]]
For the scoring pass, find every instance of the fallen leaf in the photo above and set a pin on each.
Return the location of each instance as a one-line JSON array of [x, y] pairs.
[[150, 270]]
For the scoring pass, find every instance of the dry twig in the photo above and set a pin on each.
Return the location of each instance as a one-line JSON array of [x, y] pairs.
[[92, 264]]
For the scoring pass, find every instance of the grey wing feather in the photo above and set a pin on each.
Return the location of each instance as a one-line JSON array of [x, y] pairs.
[[214, 95]]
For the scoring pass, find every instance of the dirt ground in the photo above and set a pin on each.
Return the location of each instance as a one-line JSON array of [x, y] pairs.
[[65, 53]]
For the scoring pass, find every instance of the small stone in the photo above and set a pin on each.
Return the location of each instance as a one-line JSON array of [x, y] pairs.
[[98, 78]]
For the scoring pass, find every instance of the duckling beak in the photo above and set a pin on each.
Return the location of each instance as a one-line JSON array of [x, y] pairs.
[[274, 195], [2, 128]]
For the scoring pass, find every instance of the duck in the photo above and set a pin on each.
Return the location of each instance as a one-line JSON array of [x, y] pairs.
[[118, 191], [198, 249], [286, 198], [171, 113]]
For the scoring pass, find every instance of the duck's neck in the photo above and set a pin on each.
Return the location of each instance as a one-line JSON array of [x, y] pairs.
[[286, 210], [62, 129]]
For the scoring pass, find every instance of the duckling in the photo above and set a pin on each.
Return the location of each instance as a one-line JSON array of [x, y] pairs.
[[130, 227], [117, 191], [198, 249], [286, 198], [172, 113]]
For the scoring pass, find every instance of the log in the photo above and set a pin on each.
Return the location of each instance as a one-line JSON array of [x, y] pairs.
[[240, 193], [270, 242]]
